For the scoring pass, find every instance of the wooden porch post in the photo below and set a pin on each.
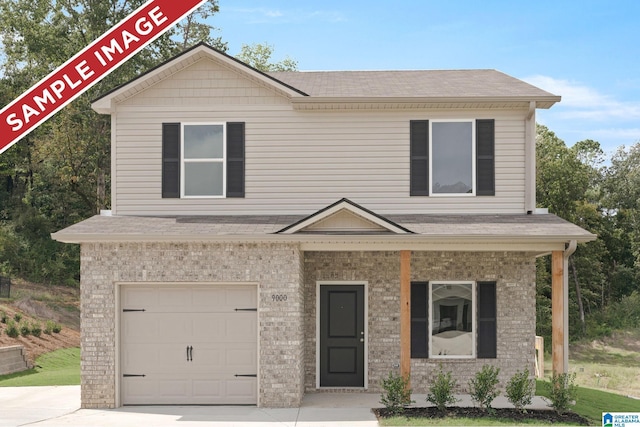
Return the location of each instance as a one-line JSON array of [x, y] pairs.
[[557, 312], [405, 313]]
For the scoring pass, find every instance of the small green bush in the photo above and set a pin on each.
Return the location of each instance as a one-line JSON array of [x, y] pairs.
[[562, 391], [520, 390], [25, 330], [17, 317], [12, 329], [484, 387], [48, 327], [3, 317], [441, 390], [397, 394], [36, 329], [56, 328]]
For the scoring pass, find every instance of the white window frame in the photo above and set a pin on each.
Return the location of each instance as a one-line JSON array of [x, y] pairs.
[[223, 160], [474, 331], [473, 158]]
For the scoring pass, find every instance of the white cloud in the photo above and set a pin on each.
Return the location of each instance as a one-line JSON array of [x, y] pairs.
[[264, 15], [582, 102]]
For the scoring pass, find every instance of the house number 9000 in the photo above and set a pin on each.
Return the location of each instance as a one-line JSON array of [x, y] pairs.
[[278, 298]]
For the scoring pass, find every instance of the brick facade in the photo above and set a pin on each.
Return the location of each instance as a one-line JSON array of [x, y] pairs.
[[277, 269], [513, 272], [287, 330]]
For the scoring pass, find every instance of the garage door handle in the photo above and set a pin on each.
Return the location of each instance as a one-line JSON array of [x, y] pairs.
[[246, 375], [189, 353]]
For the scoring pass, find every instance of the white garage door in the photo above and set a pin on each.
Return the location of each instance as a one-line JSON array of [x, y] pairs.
[[193, 345]]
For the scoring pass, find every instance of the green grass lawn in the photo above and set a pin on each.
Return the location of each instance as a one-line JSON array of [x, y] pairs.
[[60, 367], [592, 403]]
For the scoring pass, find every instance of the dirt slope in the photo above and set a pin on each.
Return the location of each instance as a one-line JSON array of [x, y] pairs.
[[39, 303]]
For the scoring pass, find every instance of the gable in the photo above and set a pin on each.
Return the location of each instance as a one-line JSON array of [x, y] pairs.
[[344, 217], [205, 82], [106, 103]]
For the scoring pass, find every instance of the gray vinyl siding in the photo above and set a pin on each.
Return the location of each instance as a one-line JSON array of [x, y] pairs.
[[296, 161]]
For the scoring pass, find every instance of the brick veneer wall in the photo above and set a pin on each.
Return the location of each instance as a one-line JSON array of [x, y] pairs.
[[513, 272], [276, 268]]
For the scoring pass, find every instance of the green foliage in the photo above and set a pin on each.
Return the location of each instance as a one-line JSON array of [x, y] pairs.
[[520, 390], [397, 394], [259, 57], [3, 316], [25, 329], [562, 391], [441, 390], [56, 328], [17, 317], [48, 327], [12, 329], [36, 329], [484, 387]]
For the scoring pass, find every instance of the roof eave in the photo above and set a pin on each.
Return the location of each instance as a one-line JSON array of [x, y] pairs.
[[544, 102], [66, 237]]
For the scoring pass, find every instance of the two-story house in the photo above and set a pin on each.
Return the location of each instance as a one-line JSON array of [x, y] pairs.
[[277, 234]]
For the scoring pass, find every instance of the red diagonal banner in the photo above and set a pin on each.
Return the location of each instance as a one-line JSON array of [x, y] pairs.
[[90, 66]]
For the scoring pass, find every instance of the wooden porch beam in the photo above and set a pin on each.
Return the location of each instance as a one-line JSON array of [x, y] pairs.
[[557, 312], [405, 313]]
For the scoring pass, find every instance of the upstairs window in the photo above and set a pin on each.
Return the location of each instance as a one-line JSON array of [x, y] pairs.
[[203, 160], [452, 153], [203, 171], [452, 158]]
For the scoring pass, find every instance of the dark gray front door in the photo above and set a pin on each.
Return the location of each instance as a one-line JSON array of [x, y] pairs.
[[342, 338]]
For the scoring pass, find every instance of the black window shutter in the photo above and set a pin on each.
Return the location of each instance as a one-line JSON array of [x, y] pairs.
[[419, 320], [487, 327], [171, 160], [235, 159], [485, 157], [419, 167]]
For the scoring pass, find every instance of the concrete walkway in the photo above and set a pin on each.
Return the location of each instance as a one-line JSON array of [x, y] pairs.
[[59, 406]]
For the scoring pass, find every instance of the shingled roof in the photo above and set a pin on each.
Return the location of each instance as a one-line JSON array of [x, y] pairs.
[[407, 84]]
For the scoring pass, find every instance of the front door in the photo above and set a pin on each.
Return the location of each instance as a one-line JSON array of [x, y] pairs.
[[342, 335]]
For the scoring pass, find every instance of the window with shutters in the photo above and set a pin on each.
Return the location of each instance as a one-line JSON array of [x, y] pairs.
[[203, 160], [453, 319], [452, 158]]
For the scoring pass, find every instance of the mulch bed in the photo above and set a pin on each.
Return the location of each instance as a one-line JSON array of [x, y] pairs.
[[546, 416]]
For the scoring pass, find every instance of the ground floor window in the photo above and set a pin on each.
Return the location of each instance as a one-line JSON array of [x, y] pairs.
[[452, 327], [453, 319]]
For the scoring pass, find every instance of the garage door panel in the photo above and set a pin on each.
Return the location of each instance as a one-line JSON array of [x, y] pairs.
[[224, 342]]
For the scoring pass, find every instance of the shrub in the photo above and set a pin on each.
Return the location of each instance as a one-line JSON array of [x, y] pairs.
[[24, 329], [3, 317], [36, 329], [17, 317], [397, 394], [562, 391], [56, 328], [48, 327], [12, 329], [441, 390], [520, 390], [483, 387]]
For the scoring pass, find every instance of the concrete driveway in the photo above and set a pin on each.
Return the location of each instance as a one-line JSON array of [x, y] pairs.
[[59, 406]]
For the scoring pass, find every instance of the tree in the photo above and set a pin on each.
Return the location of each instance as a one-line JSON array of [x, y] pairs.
[[59, 173], [259, 56]]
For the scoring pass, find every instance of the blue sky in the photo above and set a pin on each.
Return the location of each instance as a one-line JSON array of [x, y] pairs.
[[586, 51]]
